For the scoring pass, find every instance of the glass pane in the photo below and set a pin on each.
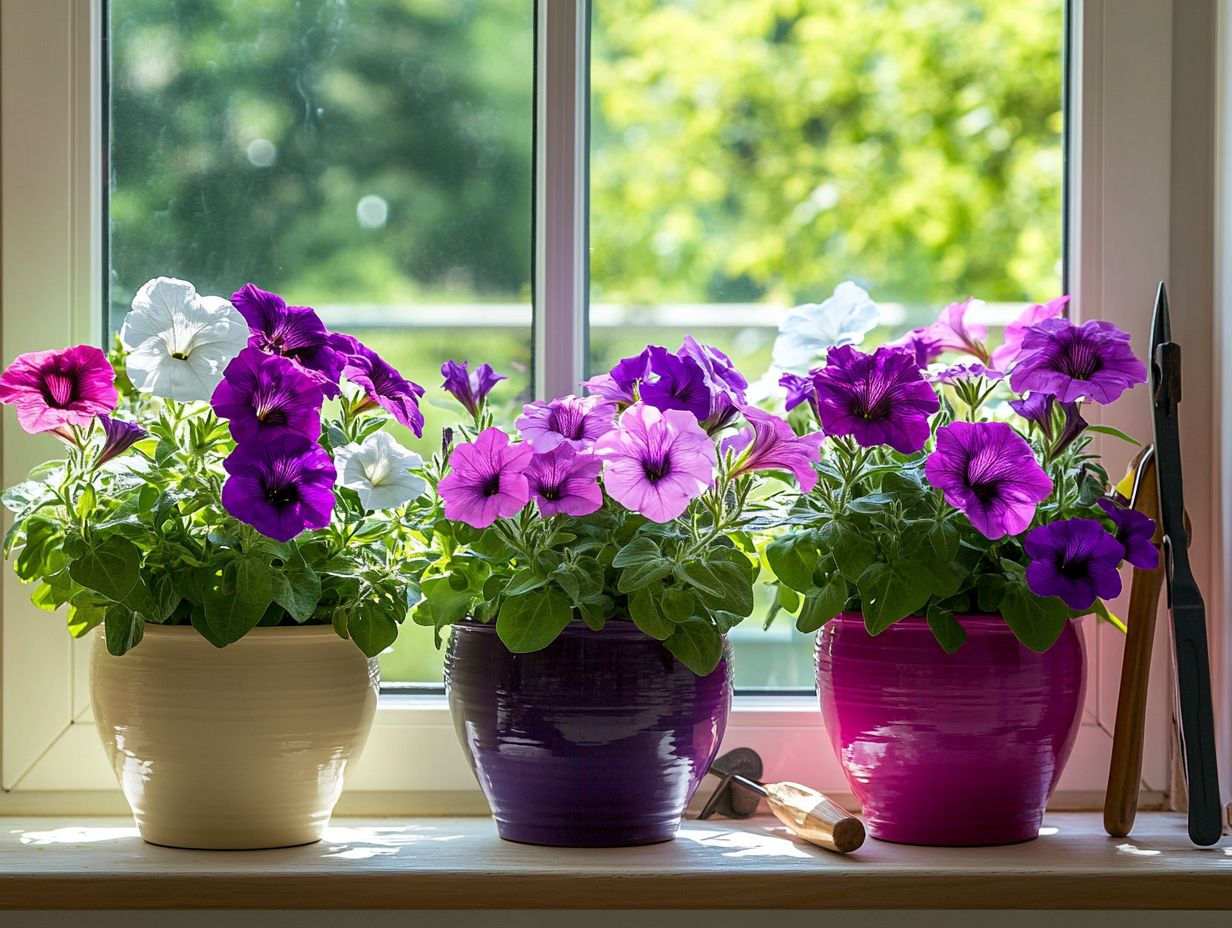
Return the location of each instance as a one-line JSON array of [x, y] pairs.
[[372, 160], [748, 157]]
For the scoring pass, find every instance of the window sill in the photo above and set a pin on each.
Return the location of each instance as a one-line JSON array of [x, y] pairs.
[[459, 863]]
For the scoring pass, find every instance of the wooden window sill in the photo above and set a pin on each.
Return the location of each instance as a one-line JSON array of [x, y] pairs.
[[459, 863]]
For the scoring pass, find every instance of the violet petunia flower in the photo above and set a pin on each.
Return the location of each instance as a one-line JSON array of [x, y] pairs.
[[1134, 531], [988, 472], [656, 461], [772, 445], [676, 383], [1092, 360], [620, 384], [265, 396], [727, 385], [570, 420], [1007, 352], [294, 332], [118, 437], [382, 384], [799, 390], [280, 487], [1074, 559], [487, 479], [563, 481], [956, 373], [921, 345], [1038, 407], [58, 389], [878, 399], [470, 388]]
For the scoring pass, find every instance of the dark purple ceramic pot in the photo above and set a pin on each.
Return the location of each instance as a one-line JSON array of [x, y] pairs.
[[598, 740], [950, 749]]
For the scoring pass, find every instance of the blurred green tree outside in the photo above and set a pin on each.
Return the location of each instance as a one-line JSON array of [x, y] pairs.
[[379, 153]]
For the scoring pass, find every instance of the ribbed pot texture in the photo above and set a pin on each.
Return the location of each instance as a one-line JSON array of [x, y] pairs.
[[239, 747], [598, 740], [950, 749]]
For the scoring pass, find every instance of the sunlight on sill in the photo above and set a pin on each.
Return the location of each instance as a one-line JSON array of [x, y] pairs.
[[744, 843]]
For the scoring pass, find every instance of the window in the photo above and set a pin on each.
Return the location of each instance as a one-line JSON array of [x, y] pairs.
[[223, 148]]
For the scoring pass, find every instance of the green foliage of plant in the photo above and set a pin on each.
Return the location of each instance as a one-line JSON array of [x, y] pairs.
[[143, 539]]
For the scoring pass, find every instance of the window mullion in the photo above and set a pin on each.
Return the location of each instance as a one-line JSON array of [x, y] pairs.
[[561, 259]]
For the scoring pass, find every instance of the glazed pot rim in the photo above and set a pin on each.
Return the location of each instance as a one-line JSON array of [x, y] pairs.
[[979, 620], [271, 633], [612, 628]]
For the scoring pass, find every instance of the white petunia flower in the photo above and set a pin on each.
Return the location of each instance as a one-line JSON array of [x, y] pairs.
[[810, 330], [379, 470], [180, 342]]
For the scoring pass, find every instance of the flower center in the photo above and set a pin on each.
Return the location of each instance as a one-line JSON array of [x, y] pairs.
[[657, 468], [59, 389], [1073, 569], [568, 422], [281, 494], [1081, 359], [874, 402], [377, 473], [549, 491], [491, 486]]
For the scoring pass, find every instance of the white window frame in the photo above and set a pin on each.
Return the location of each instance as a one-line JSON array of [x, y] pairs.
[[1123, 167]]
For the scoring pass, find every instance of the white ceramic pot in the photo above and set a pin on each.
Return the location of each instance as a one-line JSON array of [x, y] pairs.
[[243, 747]]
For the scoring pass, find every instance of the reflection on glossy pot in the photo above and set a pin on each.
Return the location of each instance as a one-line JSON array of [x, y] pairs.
[[598, 740], [243, 747], [950, 749]]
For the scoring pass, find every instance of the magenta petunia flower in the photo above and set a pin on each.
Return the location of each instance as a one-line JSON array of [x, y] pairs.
[[657, 461], [1075, 559], [1134, 531], [1007, 352], [1037, 408], [571, 420], [727, 385], [118, 437], [989, 472], [954, 332], [921, 344], [1071, 362], [382, 384], [56, 389], [265, 396], [487, 479], [563, 481], [878, 399], [294, 332], [772, 445], [280, 487], [470, 388]]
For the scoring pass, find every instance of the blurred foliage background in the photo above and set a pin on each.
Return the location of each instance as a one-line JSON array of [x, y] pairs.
[[374, 159]]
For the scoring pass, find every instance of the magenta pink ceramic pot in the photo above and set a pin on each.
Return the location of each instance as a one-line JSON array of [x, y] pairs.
[[950, 749]]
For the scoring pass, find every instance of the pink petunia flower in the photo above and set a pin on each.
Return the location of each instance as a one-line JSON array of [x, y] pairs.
[[487, 480], [657, 461], [1007, 352], [772, 445], [570, 420], [55, 389], [563, 481]]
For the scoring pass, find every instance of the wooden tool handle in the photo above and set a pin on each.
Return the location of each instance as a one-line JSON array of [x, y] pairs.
[[814, 817]]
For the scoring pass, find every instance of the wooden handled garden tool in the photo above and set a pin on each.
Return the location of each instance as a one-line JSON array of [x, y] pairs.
[[808, 814]]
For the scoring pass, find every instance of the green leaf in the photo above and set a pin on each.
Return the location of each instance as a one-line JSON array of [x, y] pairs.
[[678, 604], [371, 628], [734, 585], [122, 629], [642, 574], [697, 644], [84, 616], [640, 549], [297, 588], [445, 603], [822, 605], [793, 559], [1100, 608], [888, 592], [946, 629], [644, 611], [1114, 432], [533, 621], [786, 597], [944, 539], [235, 603], [111, 568], [850, 550], [1037, 621]]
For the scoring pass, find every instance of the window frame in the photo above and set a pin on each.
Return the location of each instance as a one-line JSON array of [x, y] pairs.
[[50, 258]]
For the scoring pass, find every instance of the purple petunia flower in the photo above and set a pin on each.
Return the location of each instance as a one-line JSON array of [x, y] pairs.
[[988, 471], [471, 388], [118, 437], [1091, 360], [657, 461], [772, 445], [1037, 408], [1134, 531], [727, 385], [280, 487], [921, 344], [878, 399], [799, 390], [571, 420], [677, 383], [967, 371], [265, 396], [487, 479], [294, 332], [382, 384], [620, 384], [57, 389], [1007, 352], [563, 481], [1074, 559]]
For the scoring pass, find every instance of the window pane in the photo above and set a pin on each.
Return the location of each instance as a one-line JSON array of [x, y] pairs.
[[748, 157], [370, 159]]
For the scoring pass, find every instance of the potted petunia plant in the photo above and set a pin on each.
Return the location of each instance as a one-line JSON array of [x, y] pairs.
[[960, 523], [228, 511], [590, 565]]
